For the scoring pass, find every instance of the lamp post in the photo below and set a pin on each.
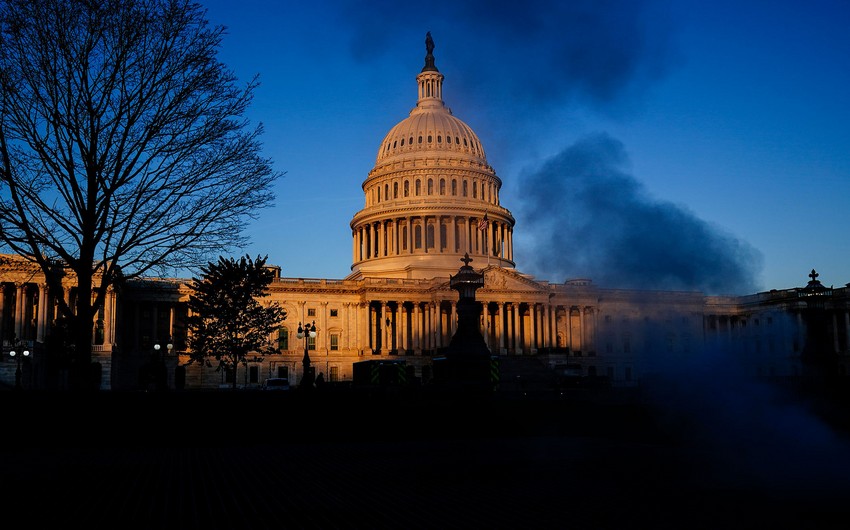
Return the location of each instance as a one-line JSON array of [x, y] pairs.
[[19, 359], [306, 332], [160, 376]]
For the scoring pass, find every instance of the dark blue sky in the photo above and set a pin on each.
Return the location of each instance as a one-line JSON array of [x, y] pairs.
[[718, 130]]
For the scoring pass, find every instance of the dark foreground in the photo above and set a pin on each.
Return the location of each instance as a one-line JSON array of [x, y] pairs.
[[399, 461]]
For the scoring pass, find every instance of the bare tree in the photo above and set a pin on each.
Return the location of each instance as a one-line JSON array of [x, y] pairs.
[[124, 150]]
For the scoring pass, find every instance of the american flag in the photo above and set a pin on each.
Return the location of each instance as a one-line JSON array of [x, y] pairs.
[[482, 224]]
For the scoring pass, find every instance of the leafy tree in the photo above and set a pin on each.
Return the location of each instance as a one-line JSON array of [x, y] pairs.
[[124, 150], [226, 320]]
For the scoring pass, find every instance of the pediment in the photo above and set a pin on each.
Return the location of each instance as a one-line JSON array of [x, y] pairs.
[[500, 279]]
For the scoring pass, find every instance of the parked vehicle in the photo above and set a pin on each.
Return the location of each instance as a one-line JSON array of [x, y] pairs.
[[276, 383]]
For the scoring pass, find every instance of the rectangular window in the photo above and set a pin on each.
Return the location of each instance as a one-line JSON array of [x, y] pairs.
[[334, 312], [283, 339], [334, 342], [254, 374], [333, 374], [311, 312], [311, 343], [283, 371]]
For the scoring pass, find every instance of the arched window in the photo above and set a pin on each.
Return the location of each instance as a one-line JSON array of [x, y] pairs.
[[474, 190], [386, 191], [465, 188], [443, 237], [395, 190], [454, 186], [429, 238], [404, 238], [418, 187], [406, 188], [442, 186], [430, 186], [417, 236]]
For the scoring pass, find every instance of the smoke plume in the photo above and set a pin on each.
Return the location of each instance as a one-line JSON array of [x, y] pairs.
[[589, 219]]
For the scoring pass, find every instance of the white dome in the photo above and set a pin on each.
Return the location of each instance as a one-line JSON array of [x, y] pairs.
[[431, 198], [430, 130]]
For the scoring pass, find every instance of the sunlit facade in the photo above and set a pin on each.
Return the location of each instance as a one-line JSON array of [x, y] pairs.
[[431, 199]]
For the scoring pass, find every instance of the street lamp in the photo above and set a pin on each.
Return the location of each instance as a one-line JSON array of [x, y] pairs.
[[168, 347], [306, 332], [159, 370], [19, 359]]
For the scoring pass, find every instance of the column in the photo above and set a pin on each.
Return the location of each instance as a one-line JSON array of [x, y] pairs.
[[398, 326], [485, 325], [382, 326], [108, 318], [416, 328], [19, 310], [322, 339], [41, 320], [500, 326], [438, 325], [405, 344], [515, 328], [589, 329], [429, 326], [363, 318], [531, 325]]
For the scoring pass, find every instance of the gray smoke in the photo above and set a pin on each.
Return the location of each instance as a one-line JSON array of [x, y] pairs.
[[590, 219]]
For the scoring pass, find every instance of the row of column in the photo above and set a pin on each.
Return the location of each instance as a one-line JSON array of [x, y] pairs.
[[725, 329], [418, 235], [32, 316], [507, 328]]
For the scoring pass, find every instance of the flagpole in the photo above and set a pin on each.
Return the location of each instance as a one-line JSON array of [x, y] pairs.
[[484, 226]]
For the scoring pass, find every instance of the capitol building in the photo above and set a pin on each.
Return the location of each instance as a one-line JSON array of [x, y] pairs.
[[431, 199]]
